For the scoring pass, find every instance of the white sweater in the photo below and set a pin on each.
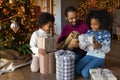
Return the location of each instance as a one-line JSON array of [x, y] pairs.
[[33, 41]]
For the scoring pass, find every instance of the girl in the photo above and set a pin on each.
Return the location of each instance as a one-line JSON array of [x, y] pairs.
[[98, 20], [45, 22]]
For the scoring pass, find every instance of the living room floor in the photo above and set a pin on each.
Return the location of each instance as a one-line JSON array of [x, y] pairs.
[[112, 62]]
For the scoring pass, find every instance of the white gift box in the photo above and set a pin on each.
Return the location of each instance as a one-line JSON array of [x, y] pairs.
[[47, 43], [85, 41], [101, 74]]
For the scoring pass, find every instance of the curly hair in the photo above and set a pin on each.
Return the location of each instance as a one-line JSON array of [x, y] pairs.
[[44, 18], [70, 9], [102, 15]]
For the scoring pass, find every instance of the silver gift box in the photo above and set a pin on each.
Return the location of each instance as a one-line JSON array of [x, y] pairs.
[[101, 74], [47, 43], [85, 41]]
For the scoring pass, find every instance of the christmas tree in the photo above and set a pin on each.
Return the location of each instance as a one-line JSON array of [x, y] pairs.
[[87, 5], [17, 22]]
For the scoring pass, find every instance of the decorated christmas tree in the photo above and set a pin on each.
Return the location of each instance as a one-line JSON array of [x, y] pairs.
[[87, 5], [17, 22]]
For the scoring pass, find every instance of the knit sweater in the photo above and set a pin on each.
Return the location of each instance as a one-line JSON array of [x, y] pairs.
[[103, 37], [33, 41]]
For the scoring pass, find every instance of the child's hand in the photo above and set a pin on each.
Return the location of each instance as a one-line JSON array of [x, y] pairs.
[[97, 45], [42, 52]]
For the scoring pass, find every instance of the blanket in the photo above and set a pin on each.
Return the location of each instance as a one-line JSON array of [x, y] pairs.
[[11, 60]]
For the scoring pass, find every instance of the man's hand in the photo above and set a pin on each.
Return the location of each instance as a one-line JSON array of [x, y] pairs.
[[42, 51], [74, 43], [60, 45]]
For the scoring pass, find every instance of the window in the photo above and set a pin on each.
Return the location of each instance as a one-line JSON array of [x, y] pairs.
[[49, 6]]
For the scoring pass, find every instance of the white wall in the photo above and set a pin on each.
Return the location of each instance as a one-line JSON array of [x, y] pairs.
[[58, 17]]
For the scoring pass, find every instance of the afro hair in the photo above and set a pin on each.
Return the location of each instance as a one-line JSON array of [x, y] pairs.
[[102, 15]]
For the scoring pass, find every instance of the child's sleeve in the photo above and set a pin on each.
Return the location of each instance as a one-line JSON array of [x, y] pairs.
[[106, 42], [33, 44]]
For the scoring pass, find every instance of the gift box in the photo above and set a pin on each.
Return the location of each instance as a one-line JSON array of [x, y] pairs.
[[70, 46], [47, 63], [65, 65], [101, 74], [85, 41], [47, 43], [72, 38]]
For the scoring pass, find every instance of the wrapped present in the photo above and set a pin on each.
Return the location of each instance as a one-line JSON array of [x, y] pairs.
[[47, 43], [72, 38], [85, 41], [70, 46], [101, 74], [65, 65], [47, 63]]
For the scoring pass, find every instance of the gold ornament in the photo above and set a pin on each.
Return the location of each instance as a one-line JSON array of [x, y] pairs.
[[14, 26]]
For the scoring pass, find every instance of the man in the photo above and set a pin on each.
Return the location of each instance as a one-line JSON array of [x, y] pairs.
[[73, 25]]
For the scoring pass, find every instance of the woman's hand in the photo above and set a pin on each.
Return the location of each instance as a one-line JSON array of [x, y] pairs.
[[42, 51], [97, 45]]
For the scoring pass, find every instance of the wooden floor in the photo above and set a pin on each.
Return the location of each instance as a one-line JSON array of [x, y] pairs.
[[112, 62]]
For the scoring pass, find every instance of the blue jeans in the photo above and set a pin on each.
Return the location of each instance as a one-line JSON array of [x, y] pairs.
[[79, 56], [79, 53], [88, 62]]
